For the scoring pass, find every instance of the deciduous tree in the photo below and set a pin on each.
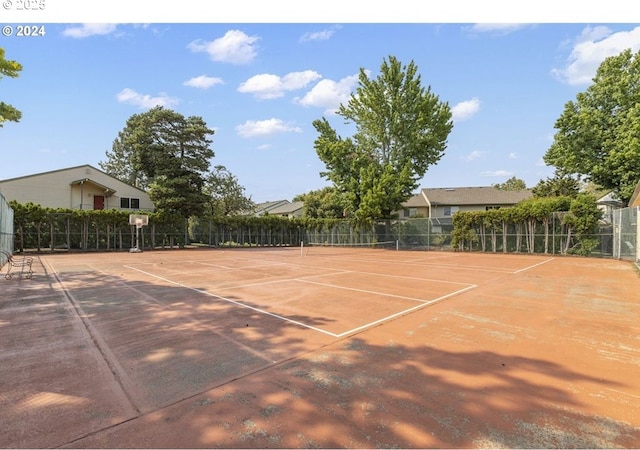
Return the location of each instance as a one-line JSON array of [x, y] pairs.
[[225, 195], [10, 69], [325, 203], [512, 184], [401, 128], [599, 133]]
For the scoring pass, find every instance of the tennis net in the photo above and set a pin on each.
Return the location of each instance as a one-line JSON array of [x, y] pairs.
[[326, 248]]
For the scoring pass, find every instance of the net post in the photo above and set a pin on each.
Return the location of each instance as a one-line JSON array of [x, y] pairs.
[[397, 244], [301, 248]]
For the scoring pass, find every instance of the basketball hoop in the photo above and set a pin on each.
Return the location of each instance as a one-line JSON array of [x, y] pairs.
[[139, 221]]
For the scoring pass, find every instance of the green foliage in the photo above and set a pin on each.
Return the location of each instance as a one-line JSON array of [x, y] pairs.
[[401, 129], [560, 185], [527, 219], [325, 203], [582, 221], [167, 153], [119, 163], [180, 194], [599, 133], [512, 184], [225, 195], [10, 69]]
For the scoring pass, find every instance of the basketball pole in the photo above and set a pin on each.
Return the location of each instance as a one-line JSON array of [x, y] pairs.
[[136, 249]]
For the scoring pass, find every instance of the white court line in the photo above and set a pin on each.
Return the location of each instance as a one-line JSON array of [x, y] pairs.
[[200, 291], [422, 304], [435, 264], [264, 264], [535, 265], [421, 300], [406, 311], [405, 277], [624, 393]]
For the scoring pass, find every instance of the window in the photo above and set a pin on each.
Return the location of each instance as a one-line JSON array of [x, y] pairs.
[[450, 210], [409, 212], [487, 208], [129, 203]]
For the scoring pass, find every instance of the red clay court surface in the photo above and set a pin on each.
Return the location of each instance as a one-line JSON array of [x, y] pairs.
[[258, 348]]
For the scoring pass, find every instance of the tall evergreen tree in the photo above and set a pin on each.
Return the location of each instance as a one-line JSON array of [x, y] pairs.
[[167, 153]]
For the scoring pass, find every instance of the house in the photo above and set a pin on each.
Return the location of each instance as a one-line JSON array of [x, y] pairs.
[[290, 210], [80, 187], [607, 204], [266, 207], [283, 208], [440, 204]]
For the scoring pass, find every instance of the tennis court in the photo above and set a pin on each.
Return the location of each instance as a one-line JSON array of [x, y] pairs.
[[320, 347]]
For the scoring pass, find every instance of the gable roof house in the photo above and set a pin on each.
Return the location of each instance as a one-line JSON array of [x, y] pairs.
[[290, 210], [608, 204], [266, 207], [283, 208], [80, 187], [440, 204]]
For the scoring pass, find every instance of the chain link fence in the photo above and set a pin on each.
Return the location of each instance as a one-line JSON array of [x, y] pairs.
[[626, 233], [62, 232], [6, 230]]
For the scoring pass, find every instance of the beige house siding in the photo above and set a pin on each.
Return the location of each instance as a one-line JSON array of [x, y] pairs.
[[81, 187], [442, 203]]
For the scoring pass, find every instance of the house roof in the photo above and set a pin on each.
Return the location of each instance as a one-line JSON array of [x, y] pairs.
[[610, 199], [107, 190], [67, 169], [417, 201], [486, 195], [268, 206], [287, 208]]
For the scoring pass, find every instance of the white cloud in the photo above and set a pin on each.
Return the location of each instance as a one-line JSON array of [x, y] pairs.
[[144, 101], [497, 28], [203, 82], [319, 35], [268, 86], [269, 127], [329, 94], [89, 29], [593, 46], [234, 47], [465, 110], [513, 155], [476, 154], [496, 173]]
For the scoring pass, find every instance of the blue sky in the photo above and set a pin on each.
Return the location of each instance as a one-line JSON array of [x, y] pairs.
[[261, 85]]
